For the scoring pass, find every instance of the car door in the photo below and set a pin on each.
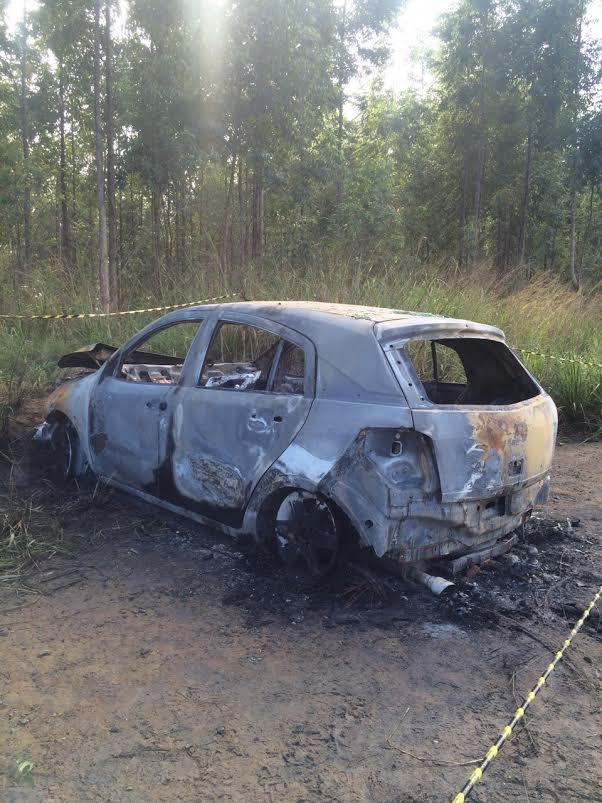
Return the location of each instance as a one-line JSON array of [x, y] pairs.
[[131, 401], [248, 399]]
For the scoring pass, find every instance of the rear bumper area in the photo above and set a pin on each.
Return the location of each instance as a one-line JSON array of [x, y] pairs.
[[429, 529]]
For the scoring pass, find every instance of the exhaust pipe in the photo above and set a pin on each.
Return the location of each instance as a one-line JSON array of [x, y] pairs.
[[436, 584]]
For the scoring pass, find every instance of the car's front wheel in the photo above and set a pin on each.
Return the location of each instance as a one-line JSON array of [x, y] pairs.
[[307, 532], [62, 455]]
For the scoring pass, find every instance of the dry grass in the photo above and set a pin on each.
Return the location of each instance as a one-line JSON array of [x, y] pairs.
[[542, 315]]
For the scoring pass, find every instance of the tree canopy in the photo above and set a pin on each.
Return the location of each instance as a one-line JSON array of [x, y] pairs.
[[197, 136]]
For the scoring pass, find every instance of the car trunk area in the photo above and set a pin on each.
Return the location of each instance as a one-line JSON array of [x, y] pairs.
[[491, 427]]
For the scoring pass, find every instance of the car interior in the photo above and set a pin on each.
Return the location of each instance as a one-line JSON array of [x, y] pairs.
[[240, 358]]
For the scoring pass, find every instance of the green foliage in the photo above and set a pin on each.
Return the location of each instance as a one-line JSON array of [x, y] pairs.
[[241, 162], [21, 771]]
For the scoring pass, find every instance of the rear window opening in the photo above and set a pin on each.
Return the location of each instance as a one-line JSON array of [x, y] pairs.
[[469, 371]]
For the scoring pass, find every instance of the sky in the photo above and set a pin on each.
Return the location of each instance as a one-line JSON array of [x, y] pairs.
[[412, 35]]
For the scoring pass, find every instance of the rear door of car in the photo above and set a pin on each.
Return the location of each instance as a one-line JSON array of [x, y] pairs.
[[241, 404]]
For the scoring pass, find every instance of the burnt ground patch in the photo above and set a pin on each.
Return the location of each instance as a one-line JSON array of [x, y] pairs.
[[542, 580]]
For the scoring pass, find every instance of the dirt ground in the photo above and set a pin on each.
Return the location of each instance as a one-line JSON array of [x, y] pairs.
[[160, 662]]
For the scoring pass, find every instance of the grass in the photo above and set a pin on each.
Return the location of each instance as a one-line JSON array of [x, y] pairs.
[[28, 532], [543, 315]]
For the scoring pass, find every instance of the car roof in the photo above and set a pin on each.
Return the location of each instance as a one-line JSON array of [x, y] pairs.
[[350, 340], [318, 311], [316, 318]]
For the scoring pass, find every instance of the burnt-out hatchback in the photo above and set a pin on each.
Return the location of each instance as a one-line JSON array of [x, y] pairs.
[[294, 422]]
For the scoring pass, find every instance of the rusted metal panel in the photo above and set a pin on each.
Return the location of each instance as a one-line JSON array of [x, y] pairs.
[[488, 453]]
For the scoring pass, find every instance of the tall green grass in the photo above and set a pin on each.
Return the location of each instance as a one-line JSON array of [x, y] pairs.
[[541, 315]]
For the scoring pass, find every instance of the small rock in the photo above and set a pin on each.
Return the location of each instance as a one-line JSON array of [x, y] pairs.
[[4, 631], [24, 721], [114, 729], [532, 550], [520, 568], [221, 731], [43, 654], [205, 554], [144, 652]]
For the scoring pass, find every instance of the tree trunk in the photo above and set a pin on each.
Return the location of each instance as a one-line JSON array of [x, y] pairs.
[[120, 244], [111, 208], [572, 245], [73, 165], [65, 223], [225, 244], [341, 33], [480, 173], [522, 239], [168, 238], [241, 217], [257, 233], [574, 160], [200, 211], [463, 195], [247, 249], [156, 234], [103, 262], [25, 262], [588, 227], [340, 129]]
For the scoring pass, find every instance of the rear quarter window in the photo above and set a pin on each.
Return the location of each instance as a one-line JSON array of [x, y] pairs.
[[469, 371]]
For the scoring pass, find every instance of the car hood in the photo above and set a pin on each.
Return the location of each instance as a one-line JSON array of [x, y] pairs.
[[87, 357]]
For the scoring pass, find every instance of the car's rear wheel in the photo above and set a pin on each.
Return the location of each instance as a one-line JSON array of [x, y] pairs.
[[307, 533]]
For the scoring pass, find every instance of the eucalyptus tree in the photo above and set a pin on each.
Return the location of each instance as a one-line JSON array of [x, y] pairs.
[[62, 29]]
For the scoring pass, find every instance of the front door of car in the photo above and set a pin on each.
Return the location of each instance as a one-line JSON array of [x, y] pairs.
[[233, 420], [131, 402]]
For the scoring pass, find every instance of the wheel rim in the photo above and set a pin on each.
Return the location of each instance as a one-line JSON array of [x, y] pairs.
[[306, 531]]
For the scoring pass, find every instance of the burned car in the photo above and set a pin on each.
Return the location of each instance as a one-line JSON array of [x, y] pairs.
[[298, 422]]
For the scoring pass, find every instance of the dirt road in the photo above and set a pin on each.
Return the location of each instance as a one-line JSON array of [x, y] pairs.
[[160, 662]]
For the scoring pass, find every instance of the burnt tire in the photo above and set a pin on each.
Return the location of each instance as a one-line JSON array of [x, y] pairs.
[[307, 534], [65, 457]]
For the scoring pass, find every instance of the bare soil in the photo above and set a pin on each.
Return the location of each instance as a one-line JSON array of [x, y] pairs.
[[158, 661]]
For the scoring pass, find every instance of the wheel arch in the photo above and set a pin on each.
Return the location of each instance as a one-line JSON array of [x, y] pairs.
[[46, 432], [265, 508]]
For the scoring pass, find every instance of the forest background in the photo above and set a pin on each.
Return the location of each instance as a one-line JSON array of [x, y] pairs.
[[165, 151]]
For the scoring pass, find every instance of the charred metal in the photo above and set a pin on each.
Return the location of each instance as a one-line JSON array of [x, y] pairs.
[[283, 420]]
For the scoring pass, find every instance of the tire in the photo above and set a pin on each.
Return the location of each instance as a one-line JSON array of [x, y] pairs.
[[66, 459], [307, 533]]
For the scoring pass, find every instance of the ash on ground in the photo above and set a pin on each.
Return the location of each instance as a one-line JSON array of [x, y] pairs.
[[546, 576]]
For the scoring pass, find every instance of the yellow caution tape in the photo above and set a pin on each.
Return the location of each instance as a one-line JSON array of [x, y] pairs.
[[477, 774], [67, 316], [559, 358]]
